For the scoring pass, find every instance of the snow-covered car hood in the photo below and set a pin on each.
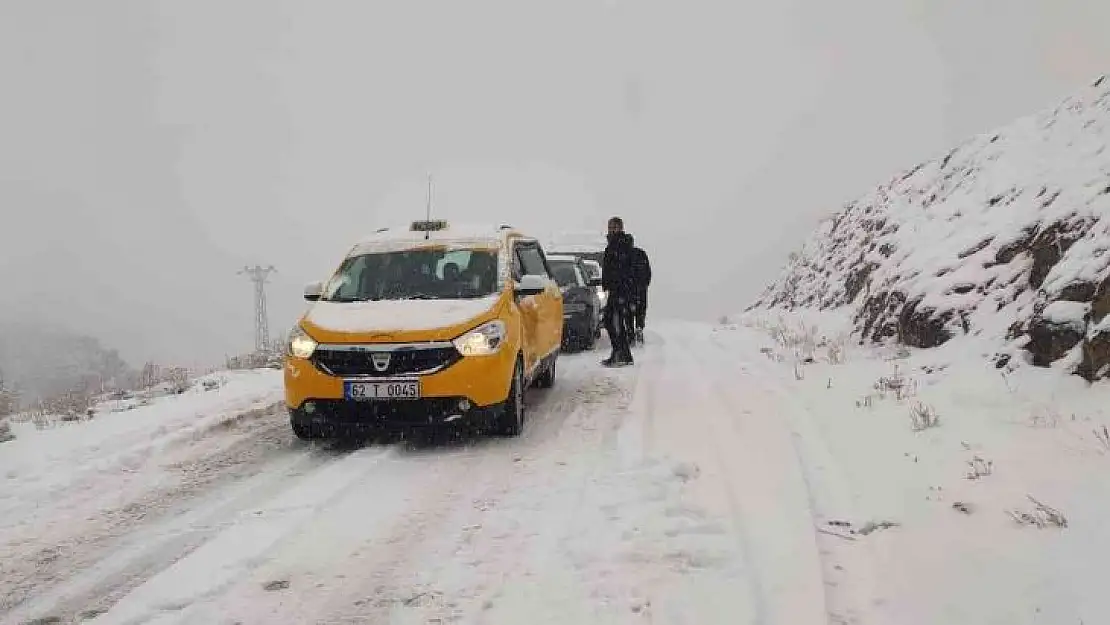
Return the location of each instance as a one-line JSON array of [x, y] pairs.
[[395, 316]]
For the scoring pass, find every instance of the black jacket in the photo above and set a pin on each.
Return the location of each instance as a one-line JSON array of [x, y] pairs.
[[641, 269], [618, 273]]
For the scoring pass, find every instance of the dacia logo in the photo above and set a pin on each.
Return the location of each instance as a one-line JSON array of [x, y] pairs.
[[380, 360]]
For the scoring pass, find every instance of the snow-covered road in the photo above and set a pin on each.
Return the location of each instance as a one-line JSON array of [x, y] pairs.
[[716, 481], [667, 492]]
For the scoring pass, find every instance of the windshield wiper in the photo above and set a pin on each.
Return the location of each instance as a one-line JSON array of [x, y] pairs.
[[350, 300]]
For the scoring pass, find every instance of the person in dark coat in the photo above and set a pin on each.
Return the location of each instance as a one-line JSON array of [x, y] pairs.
[[618, 279], [641, 268]]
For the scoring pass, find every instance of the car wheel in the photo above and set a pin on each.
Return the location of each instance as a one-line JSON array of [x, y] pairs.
[[547, 378], [510, 420], [589, 341], [305, 432]]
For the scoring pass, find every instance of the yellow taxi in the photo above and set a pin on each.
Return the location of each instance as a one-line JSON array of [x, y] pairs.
[[424, 326]]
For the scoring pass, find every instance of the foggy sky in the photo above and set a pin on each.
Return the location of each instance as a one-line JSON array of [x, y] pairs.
[[151, 148]]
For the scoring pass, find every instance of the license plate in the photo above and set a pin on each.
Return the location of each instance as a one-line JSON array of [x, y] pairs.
[[390, 389]]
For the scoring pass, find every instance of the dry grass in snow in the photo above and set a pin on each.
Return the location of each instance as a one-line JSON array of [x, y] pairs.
[[988, 454]]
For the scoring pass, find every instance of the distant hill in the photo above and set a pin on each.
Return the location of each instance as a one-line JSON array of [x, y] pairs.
[[42, 361]]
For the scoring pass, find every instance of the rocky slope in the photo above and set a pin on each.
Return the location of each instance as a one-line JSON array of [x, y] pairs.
[[1005, 237]]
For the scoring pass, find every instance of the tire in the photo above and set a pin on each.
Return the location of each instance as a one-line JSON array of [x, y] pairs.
[[590, 341], [510, 418], [547, 378], [305, 432]]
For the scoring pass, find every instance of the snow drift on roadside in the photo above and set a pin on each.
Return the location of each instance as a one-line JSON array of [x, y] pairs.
[[948, 512], [69, 490], [40, 465]]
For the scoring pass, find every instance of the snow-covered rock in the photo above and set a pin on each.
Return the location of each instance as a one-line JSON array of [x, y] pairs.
[[1005, 237]]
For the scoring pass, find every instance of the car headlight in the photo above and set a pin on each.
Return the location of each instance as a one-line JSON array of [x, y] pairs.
[[481, 341], [301, 345]]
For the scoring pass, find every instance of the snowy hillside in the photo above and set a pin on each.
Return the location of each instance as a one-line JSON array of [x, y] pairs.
[[1004, 238]]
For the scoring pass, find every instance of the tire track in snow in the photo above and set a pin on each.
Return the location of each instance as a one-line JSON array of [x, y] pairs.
[[763, 484], [638, 433], [350, 547], [239, 533], [71, 535], [98, 561], [681, 447], [529, 546], [458, 566], [104, 499], [665, 433], [418, 497], [128, 453], [848, 570]]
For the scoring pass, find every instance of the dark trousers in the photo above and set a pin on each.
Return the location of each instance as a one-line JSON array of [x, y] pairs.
[[618, 318], [641, 309]]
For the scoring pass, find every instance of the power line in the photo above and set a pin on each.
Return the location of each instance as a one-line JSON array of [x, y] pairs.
[[259, 276]]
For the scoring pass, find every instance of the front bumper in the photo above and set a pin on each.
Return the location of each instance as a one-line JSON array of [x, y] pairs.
[[482, 380], [339, 416]]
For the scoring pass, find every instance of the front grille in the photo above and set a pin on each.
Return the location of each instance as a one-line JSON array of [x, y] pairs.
[[402, 361]]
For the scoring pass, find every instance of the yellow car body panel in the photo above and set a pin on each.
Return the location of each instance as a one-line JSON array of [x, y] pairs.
[[533, 331]]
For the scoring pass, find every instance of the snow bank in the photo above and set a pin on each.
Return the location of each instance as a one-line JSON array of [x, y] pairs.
[[996, 512], [979, 242], [41, 463], [70, 492]]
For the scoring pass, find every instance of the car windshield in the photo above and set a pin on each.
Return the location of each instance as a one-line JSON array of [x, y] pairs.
[[414, 274], [564, 272]]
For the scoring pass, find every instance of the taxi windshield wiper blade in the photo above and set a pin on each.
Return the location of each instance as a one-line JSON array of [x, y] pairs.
[[349, 300]]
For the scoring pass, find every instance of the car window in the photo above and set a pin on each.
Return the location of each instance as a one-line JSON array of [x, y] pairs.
[[459, 258], [344, 286], [581, 278], [531, 260], [414, 274], [565, 273]]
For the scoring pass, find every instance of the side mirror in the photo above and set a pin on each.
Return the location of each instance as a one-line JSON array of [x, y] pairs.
[[531, 285], [312, 291], [594, 282]]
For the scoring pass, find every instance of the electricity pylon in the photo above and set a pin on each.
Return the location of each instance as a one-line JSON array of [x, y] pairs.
[[259, 276]]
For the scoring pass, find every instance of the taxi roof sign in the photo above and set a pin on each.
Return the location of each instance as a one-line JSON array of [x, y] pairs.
[[429, 225]]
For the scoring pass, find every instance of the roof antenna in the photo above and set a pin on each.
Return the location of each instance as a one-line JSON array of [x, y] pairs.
[[428, 211]]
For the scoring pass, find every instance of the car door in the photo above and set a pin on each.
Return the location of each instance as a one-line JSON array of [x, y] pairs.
[[548, 305], [553, 307], [529, 309], [589, 292]]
